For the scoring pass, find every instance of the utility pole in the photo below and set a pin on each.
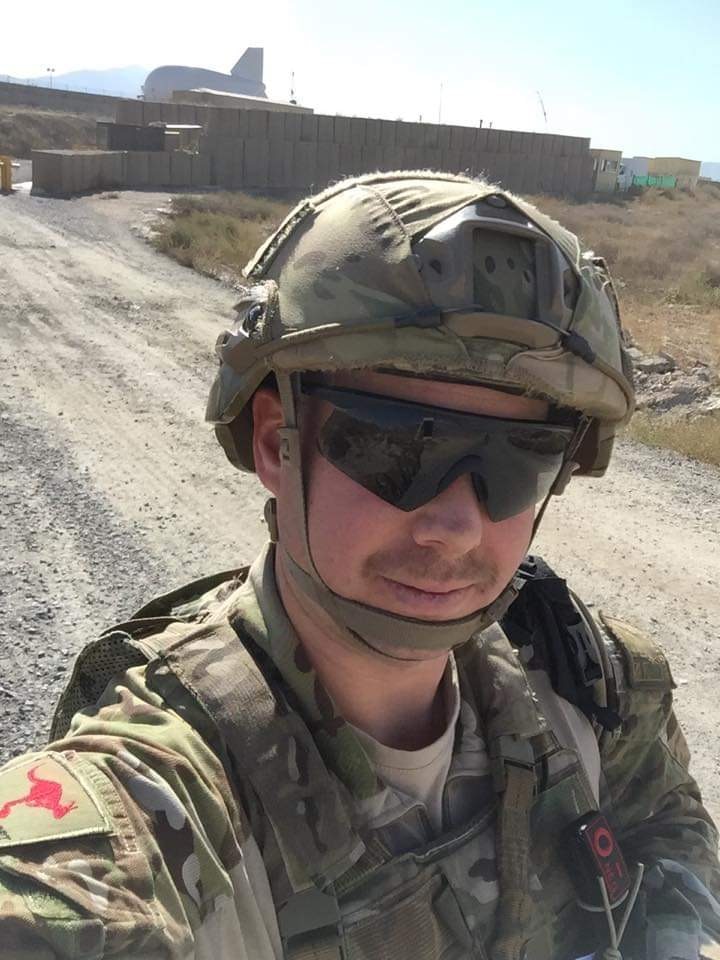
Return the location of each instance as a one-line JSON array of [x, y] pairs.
[[542, 107], [440, 104], [292, 88], [51, 71]]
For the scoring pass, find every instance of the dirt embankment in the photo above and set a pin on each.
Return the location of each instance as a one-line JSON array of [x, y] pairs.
[[113, 488], [23, 130]]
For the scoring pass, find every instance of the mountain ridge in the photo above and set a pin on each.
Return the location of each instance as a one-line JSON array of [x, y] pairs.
[[116, 81]]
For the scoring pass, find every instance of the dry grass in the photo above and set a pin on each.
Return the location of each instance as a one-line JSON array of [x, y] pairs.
[[23, 129], [664, 251], [698, 438], [218, 233]]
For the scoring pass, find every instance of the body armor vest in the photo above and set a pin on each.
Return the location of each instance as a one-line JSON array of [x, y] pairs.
[[343, 893]]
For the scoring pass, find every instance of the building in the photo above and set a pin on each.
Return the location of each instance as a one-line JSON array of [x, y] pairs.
[[245, 78], [686, 172], [669, 173], [631, 168], [606, 167], [214, 98]]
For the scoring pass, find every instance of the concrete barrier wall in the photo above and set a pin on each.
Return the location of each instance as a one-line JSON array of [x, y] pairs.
[[276, 152], [291, 153], [68, 172], [126, 136], [69, 101], [281, 151], [141, 112]]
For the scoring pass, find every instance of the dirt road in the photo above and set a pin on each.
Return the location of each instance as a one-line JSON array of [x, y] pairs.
[[113, 488]]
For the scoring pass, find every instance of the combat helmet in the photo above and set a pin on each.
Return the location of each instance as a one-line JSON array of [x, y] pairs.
[[433, 275]]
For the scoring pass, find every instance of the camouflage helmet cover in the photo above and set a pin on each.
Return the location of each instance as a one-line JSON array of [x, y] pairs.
[[344, 283]]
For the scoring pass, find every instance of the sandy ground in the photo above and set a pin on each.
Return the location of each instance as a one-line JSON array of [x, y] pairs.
[[113, 488]]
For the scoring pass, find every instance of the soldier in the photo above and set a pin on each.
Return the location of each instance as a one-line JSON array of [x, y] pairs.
[[391, 737]]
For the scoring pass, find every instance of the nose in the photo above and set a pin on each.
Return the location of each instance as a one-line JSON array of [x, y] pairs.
[[453, 522]]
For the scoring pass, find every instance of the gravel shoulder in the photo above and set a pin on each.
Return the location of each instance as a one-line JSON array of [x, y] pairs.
[[113, 488]]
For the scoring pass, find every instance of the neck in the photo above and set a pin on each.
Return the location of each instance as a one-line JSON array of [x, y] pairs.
[[400, 703]]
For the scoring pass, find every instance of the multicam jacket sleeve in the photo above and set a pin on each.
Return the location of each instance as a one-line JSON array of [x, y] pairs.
[[125, 840], [658, 807]]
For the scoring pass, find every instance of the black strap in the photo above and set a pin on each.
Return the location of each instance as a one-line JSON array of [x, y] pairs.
[[544, 620]]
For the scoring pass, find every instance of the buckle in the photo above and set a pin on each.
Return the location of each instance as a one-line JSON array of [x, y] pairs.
[[588, 667], [509, 750], [310, 918]]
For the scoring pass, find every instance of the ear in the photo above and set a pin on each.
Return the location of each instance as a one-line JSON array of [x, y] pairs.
[[267, 419]]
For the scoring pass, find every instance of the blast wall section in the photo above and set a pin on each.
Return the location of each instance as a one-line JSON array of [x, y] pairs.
[[290, 154], [284, 152], [67, 172], [287, 153]]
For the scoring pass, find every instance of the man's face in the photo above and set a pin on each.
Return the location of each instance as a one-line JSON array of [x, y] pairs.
[[442, 561]]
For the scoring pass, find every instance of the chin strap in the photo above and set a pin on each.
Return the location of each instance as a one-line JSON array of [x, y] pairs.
[[569, 467], [389, 633]]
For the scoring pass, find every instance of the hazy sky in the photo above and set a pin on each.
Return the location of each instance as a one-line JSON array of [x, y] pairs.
[[639, 76]]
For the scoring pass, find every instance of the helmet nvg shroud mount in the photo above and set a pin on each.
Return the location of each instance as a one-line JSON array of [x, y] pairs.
[[433, 275]]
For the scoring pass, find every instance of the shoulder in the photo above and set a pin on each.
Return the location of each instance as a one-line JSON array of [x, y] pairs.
[[637, 661], [140, 639], [640, 687], [196, 599], [122, 836]]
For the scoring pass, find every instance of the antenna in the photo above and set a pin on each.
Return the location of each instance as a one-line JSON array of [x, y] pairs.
[[542, 107]]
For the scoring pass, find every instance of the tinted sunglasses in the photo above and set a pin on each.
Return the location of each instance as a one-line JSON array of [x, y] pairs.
[[407, 453]]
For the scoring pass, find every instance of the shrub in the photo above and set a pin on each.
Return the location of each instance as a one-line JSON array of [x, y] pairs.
[[217, 233]]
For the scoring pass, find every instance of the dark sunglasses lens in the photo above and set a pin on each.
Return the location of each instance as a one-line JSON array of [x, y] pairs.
[[406, 457], [526, 464], [384, 458]]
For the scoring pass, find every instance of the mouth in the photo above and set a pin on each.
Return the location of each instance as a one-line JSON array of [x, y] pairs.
[[430, 589], [434, 600]]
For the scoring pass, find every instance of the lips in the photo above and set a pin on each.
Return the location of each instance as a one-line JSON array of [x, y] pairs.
[[440, 603], [433, 589]]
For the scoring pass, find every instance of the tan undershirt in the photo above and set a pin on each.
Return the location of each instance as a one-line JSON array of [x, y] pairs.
[[420, 774]]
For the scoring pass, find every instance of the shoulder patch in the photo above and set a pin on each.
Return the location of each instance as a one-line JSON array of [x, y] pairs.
[[43, 797], [645, 663]]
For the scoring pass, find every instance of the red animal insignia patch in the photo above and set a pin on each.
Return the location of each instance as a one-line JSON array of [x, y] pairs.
[[46, 797], [42, 793]]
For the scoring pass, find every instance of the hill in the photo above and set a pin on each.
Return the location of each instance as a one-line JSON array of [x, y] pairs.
[[711, 170], [118, 81], [23, 129]]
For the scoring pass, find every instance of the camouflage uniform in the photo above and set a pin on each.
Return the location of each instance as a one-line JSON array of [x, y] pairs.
[[160, 841]]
